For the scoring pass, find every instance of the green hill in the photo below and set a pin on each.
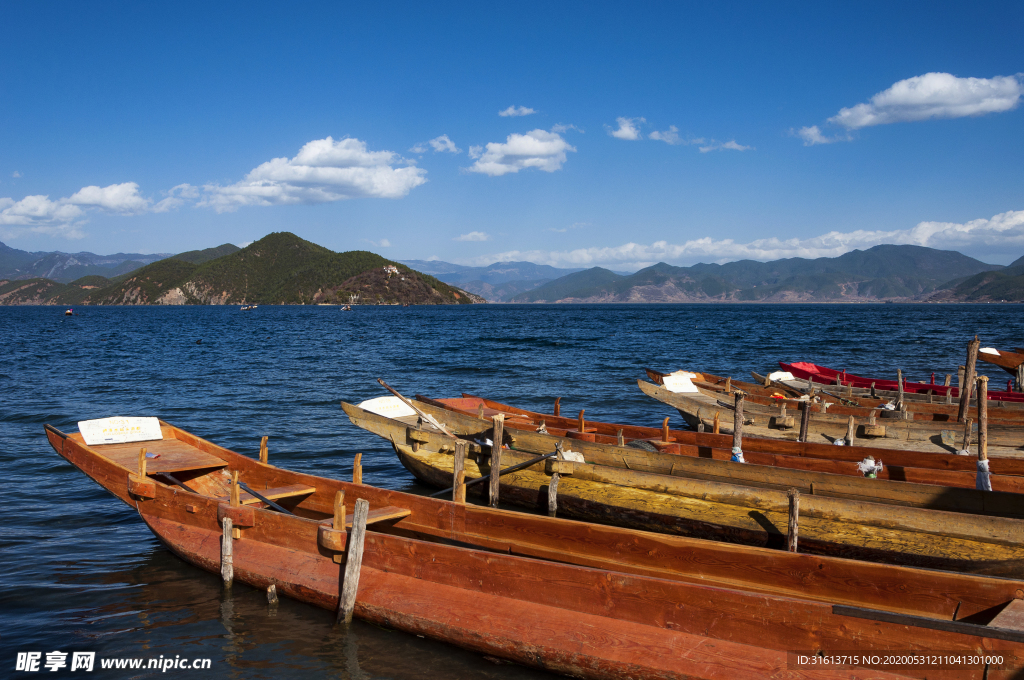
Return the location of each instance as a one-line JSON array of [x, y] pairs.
[[885, 272], [278, 269]]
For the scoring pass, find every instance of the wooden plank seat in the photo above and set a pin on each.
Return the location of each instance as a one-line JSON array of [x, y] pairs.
[[174, 456], [385, 514], [277, 493], [1011, 617]]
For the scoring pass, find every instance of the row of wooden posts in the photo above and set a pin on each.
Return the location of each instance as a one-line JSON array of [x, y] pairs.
[[354, 545]]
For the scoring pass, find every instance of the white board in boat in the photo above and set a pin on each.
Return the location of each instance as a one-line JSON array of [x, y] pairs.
[[119, 430]]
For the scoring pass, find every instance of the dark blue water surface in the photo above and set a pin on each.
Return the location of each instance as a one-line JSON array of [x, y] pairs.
[[80, 571]]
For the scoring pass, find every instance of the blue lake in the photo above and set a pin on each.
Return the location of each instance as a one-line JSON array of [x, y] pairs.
[[81, 572]]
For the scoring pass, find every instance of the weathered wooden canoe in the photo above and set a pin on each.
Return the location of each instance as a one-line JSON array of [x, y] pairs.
[[699, 409], [627, 495], [1008, 361], [587, 600], [821, 374], [900, 466], [840, 403]]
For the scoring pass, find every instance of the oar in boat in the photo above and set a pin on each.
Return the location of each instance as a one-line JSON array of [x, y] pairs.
[[514, 468], [426, 416], [264, 499]]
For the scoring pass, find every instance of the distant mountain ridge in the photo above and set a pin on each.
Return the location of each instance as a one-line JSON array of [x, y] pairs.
[[498, 281], [280, 268], [66, 267], [885, 272]]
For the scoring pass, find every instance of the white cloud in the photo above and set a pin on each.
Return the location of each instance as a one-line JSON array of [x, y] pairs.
[[813, 135], [718, 146], [473, 236], [670, 136], [442, 143], [629, 128], [516, 111], [419, 147], [934, 95], [323, 171], [562, 127], [16, 174], [384, 243], [535, 149], [176, 198], [574, 225], [62, 217], [1002, 231], [244, 244]]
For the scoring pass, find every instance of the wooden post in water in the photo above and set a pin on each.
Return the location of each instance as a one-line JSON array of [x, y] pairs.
[[227, 569], [850, 429], [794, 519], [357, 469], [264, 452], [805, 420], [142, 463], [339, 511], [459, 469], [737, 421], [272, 594], [498, 434], [353, 562], [968, 382]]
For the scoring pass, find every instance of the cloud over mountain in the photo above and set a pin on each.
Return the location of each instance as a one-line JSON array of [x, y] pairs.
[[536, 149]]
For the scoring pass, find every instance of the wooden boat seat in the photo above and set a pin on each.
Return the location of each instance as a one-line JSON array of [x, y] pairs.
[[1011, 617], [385, 514], [174, 456], [273, 494]]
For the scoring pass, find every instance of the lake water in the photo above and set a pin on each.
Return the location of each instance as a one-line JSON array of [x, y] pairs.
[[81, 572]]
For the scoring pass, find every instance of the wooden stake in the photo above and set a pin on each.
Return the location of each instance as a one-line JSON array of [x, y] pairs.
[[272, 594], [737, 421], [968, 430], [499, 433], [459, 471], [553, 494], [850, 427], [805, 420], [227, 569], [235, 498], [664, 430], [622, 440], [983, 417], [794, 519], [968, 382], [480, 411], [339, 510], [459, 490], [353, 562], [357, 469], [728, 385], [899, 383], [582, 423], [873, 396], [1019, 378], [142, 462], [558, 406], [948, 379], [718, 415], [264, 452]]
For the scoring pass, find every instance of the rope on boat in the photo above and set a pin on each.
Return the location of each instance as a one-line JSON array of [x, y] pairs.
[[737, 455], [869, 468], [983, 482]]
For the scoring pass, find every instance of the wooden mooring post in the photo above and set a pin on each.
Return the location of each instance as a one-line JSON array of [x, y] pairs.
[[227, 568], [794, 520], [353, 562], [459, 472], [737, 428], [983, 481], [805, 420], [498, 435], [967, 383]]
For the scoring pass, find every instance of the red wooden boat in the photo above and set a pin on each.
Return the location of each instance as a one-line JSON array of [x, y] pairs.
[[806, 370]]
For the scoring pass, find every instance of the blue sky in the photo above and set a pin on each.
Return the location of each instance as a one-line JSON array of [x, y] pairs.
[[681, 132]]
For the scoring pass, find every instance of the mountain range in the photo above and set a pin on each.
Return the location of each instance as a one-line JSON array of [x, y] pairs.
[[885, 272], [496, 282], [280, 268], [66, 267]]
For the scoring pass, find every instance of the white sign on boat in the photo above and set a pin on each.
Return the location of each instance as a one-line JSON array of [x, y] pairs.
[[389, 407], [120, 430]]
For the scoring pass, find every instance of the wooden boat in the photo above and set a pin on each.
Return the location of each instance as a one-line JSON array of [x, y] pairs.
[[699, 410], [581, 599], [821, 374], [615, 485], [840, 402], [1008, 361]]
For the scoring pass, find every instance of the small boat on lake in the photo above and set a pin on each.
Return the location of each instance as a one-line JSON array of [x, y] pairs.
[[584, 600], [868, 519]]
